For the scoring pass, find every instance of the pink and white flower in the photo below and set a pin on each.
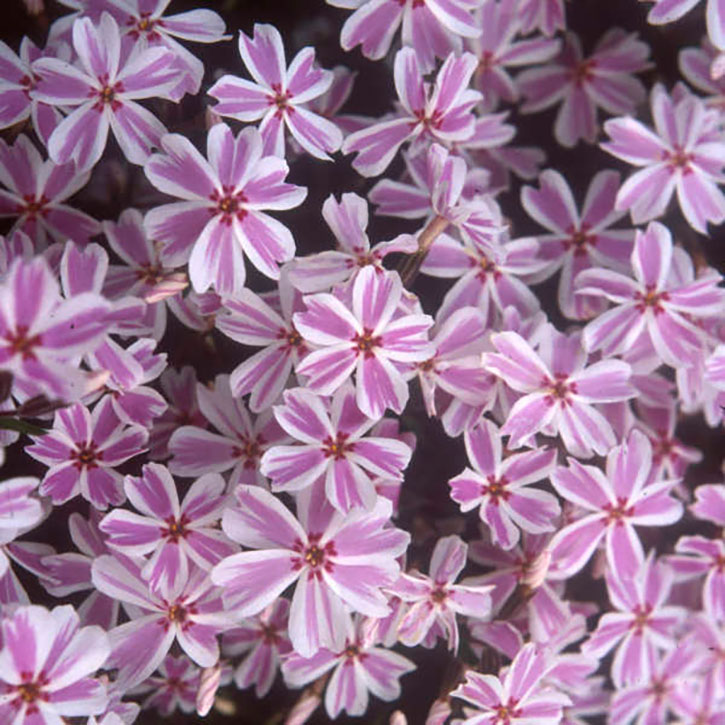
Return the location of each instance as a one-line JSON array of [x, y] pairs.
[[36, 192], [520, 696], [220, 219], [560, 391], [435, 600], [171, 533], [432, 27], [358, 667], [47, 666], [605, 79], [263, 639], [662, 302], [332, 448], [278, 95], [105, 87], [337, 561], [667, 11], [615, 502], [644, 625], [83, 450], [369, 339], [501, 486], [578, 241], [440, 113], [684, 153], [146, 25]]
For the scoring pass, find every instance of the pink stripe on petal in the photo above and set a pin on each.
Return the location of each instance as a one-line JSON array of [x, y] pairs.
[[292, 468], [266, 242], [483, 446], [263, 54], [528, 416], [379, 387], [347, 487], [261, 521], [133, 534], [304, 416], [313, 133], [137, 131], [80, 137], [572, 547], [154, 492], [240, 99], [328, 369]]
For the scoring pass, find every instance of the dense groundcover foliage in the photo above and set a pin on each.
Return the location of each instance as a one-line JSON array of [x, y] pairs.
[[362, 360]]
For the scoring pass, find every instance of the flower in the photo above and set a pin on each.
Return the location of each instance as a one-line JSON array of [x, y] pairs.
[[603, 79], [519, 697], [499, 46], [684, 153], [149, 27], [333, 448], [337, 560], [171, 533], [174, 686], [47, 663], [279, 95], [193, 618], [660, 302], [643, 626], [559, 391], [368, 339], [249, 319], [578, 241], [239, 445], [348, 221], [443, 112], [221, 212], [263, 639], [104, 89], [435, 599], [358, 667], [42, 336], [667, 11], [615, 503], [433, 27], [36, 192], [83, 449], [501, 487]]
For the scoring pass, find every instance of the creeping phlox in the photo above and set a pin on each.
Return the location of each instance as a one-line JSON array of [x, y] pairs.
[[307, 370]]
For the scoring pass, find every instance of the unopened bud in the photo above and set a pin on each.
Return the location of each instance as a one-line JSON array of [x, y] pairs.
[[535, 574], [208, 686]]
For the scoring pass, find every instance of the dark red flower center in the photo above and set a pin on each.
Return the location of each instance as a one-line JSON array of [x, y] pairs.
[[229, 205], [641, 618], [176, 528], [579, 240], [366, 343], [86, 455], [337, 448], [270, 634], [583, 72], [560, 389], [30, 691], [651, 298], [21, 343], [106, 96], [496, 489], [678, 158], [504, 713], [616, 514], [314, 556]]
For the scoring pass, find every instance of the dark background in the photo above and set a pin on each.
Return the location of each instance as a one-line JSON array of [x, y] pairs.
[[426, 510]]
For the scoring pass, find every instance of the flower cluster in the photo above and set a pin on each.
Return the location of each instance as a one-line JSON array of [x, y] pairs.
[[290, 393]]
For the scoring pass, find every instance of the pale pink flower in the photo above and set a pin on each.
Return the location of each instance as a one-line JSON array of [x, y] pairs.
[[710, 503], [432, 27], [142, 274], [105, 87], [368, 339], [358, 668], [577, 241], [614, 503], [499, 47], [254, 321], [35, 196], [348, 221], [662, 302], [47, 663], [173, 687], [500, 487], [146, 25], [330, 445], [684, 153], [696, 66], [171, 533], [605, 79], [519, 696], [70, 572], [17, 83], [278, 95], [560, 391], [263, 641], [337, 561], [642, 628], [436, 600], [220, 219], [239, 444], [442, 112], [194, 618], [83, 450]]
